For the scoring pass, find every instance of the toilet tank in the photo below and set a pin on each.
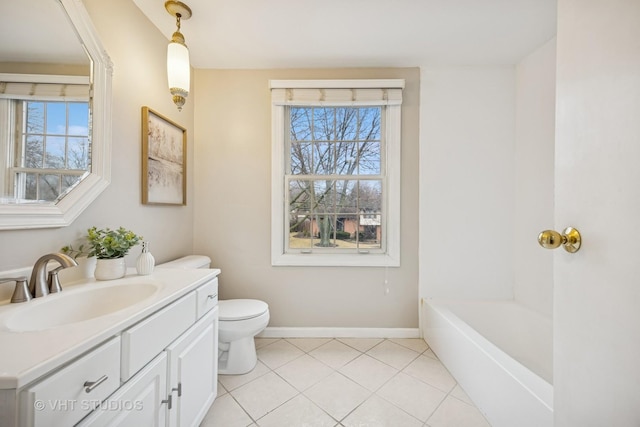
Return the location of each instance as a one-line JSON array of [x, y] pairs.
[[188, 262]]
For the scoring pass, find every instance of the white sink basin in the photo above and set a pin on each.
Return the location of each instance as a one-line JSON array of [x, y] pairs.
[[64, 309]]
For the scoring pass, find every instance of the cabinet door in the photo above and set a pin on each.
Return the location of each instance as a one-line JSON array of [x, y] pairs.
[[139, 402], [193, 372]]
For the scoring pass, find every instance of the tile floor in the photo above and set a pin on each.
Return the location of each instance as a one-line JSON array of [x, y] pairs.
[[302, 382]]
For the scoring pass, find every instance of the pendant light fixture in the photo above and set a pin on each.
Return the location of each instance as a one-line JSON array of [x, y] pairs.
[[178, 66]]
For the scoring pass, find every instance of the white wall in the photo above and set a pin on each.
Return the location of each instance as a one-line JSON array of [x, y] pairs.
[[534, 173], [233, 208], [467, 131], [138, 52]]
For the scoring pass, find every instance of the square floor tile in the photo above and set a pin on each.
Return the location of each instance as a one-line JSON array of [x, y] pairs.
[[432, 372], [337, 395], [225, 411], [335, 354], [368, 372], [297, 412], [277, 354], [308, 344], [411, 395], [377, 412], [415, 344], [393, 354], [361, 344], [455, 413], [231, 382], [262, 342], [304, 372], [263, 394]]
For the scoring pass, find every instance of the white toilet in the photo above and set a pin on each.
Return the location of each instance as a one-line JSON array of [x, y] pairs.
[[240, 321]]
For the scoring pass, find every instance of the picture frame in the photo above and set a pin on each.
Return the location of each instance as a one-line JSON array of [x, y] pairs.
[[164, 160]]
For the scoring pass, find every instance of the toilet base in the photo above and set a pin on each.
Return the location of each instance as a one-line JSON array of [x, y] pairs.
[[237, 357]]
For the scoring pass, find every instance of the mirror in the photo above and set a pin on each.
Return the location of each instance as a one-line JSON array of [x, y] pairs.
[[56, 76]]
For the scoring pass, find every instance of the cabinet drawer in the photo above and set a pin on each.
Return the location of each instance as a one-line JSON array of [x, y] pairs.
[[146, 339], [140, 402], [207, 296], [62, 399]]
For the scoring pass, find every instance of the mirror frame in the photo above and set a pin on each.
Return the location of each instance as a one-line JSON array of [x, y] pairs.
[[67, 209]]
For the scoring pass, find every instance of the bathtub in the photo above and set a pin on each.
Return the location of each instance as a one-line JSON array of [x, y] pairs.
[[500, 352]]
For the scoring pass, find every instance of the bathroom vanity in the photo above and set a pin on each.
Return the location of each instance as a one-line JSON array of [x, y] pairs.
[[141, 350]]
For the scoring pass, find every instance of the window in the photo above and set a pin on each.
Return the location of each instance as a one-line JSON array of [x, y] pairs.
[[47, 148], [336, 172]]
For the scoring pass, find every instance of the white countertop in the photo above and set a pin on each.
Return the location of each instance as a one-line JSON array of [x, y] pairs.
[[25, 356]]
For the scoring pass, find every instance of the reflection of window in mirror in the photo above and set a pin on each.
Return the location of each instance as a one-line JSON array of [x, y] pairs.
[[48, 148]]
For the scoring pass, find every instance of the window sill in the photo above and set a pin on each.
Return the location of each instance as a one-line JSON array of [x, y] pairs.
[[335, 260]]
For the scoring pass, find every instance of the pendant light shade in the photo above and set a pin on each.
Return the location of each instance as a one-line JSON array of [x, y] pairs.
[[178, 65]]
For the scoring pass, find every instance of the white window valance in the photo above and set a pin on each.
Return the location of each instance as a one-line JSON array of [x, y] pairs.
[[41, 87], [337, 92]]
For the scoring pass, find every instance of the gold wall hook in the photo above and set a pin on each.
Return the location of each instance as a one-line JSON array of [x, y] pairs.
[[570, 239]]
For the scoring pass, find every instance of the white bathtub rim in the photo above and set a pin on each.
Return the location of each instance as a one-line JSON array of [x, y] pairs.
[[534, 384]]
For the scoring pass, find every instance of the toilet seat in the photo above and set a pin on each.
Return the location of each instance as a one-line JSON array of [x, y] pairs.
[[241, 309]]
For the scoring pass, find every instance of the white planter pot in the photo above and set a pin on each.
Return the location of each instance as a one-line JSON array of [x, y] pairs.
[[109, 269]]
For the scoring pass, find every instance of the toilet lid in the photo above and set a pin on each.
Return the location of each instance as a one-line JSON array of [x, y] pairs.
[[241, 309]]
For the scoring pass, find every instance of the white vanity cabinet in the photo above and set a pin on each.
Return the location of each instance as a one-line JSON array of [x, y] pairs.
[[159, 371]]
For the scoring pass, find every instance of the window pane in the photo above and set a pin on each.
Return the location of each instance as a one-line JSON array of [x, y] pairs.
[[30, 186], [301, 154], [323, 121], [370, 124], [300, 197], [79, 118], [56, 118], [300, 124], [54, 155], [33, 155], [323, 159], [49, 186], [369, 159], [346, 197], [346, 124], [78, 153], [348, 226], [370, 196], [346, 157], [324, 197], [35, 117], [326, 230]]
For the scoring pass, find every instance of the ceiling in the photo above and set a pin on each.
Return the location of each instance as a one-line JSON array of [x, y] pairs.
[[38, 31], [358, 33]]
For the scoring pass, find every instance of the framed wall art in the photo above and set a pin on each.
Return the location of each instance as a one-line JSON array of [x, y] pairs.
[[164, 160]]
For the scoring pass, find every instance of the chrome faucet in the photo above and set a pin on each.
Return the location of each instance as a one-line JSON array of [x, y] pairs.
[[38, 285]]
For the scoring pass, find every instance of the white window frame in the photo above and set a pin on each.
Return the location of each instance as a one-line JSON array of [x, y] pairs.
[[330, 93], [39, 88]]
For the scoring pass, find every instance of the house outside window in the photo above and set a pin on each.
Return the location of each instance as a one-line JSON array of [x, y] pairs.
[[336, 172]]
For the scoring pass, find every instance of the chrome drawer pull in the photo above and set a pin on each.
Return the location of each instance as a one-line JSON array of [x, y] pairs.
[[89, 386], [212, 296]]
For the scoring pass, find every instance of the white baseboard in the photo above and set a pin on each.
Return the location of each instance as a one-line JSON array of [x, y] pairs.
[[320, 332]]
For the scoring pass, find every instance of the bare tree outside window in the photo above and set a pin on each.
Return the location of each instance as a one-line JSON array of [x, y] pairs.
[[55, 147], [335, 177]]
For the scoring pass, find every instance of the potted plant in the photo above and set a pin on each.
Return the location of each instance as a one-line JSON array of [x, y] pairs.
[[86, 263], [109, 247]]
